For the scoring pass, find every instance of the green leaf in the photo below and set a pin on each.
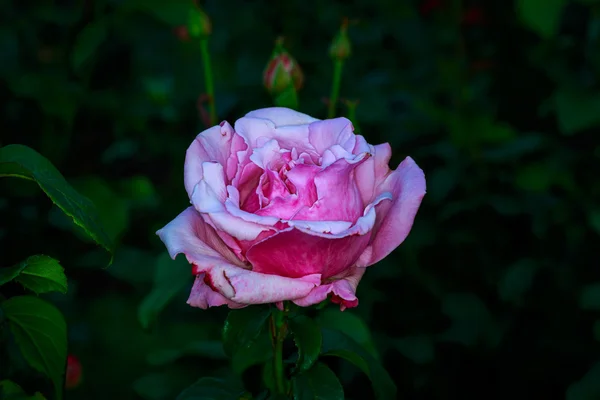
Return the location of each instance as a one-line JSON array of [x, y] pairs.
[[243, 326], [214, 389], [517, 280], [87, 43], [40, 331], [419, 349], [349, 323], [9, 273], [588, 387], [41, 274], [319, 382], [11, 391], [259, 352], [170, 277], [589, 299], [212, 349], [23, 162], [336, 343], [541, 16], [472, 322], [307, 336], [576, 111]]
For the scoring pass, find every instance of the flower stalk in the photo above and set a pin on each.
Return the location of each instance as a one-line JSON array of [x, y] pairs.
[[339, 50], [279, 332]]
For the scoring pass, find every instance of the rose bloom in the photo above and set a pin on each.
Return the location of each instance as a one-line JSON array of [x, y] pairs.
[[289, 207]]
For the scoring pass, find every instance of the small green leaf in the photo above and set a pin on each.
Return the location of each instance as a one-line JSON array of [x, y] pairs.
[[419, 349], [576, 111], [9, 273], [214, 389], [170, 277], [517, 280], [212, 349], [541, 16], [307, 336], [42, 274], [336, 343], [23, 162], [349, 323], [317, 383], [40, 331], [588, 387], [11, 391], [243, 326], [87, 42], [589, 299]]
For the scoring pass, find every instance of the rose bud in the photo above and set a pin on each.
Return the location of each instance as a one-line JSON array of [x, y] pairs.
[[73, 374], [282, 71], [198, 23], [340, 48], [288, 207]]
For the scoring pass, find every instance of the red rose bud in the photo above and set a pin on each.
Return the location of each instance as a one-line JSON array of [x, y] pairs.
[[340, 48], [198, 23], [73, 375], [282, 71]]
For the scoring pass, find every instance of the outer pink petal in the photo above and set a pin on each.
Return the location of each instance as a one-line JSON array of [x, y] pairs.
[[295, 253], [338, 131], [203, 296], [281, 116], [211, 145], [343, 289], [395, 219], [189, 234], [248, 287]]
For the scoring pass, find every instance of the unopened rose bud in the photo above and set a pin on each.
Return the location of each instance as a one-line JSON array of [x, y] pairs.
[[282, 71], [340, 48], [198, 23], [74, 372]]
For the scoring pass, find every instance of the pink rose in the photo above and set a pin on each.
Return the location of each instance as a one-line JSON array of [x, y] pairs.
[[288, 207]]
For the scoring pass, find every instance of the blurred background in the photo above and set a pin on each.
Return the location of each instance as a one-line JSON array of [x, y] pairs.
[[496, 292]]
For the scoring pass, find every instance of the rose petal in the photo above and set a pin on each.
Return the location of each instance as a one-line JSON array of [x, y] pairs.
[[249, 287], [373, 171], [208, 199], [344, 291], [338, 131], [256, 131], [189, 234], [395, 219], [211, 145], [203, 296], [338, 196], [295, 253], [281, 116]]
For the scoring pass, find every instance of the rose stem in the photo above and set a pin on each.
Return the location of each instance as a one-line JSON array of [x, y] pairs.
[[208, 80], [335, 87], [278, 321]]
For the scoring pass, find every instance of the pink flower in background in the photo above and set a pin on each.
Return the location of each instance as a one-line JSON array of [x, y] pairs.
[[288, 207]]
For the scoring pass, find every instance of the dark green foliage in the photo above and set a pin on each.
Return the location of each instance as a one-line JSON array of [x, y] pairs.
[[495, 294]]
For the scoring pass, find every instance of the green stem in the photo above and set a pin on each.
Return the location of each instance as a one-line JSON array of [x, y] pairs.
[[278, 319], [208, 80], [335, 87]]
